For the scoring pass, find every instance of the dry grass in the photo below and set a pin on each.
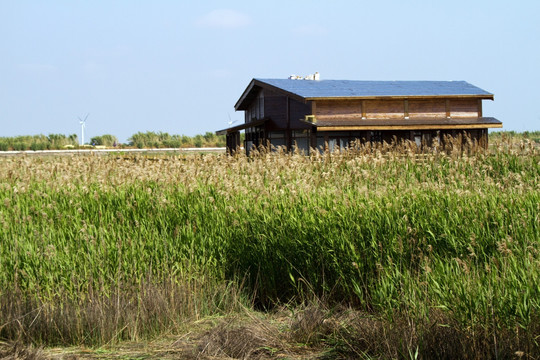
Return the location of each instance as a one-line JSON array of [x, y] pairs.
[[19, 351], [309, 331]]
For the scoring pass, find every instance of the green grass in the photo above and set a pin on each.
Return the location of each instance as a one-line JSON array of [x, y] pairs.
[[150, 243]]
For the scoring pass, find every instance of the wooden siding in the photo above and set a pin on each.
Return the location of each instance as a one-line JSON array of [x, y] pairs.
[[345, 108], [370, 109], [283, 112], [298, 111], [275, 107], [395, 109], [463, 108], [384, 109], [435, 108]]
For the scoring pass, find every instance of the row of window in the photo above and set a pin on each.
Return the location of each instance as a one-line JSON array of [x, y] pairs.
[[301, 139]]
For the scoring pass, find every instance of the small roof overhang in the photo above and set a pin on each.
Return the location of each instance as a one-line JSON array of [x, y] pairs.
[[241, 127], [348, 124]]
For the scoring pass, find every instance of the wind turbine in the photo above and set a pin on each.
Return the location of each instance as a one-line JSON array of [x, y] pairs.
[[230, 122], [83, 124]]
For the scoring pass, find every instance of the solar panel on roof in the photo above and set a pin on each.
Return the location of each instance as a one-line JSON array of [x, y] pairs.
[[358, 88]]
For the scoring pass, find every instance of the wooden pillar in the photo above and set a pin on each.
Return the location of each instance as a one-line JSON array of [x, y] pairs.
[[480, 108], [288, 132], [313, 137], [363, 106], [313, 131], [484, 140]]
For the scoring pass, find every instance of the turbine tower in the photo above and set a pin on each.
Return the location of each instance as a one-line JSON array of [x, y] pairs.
[[83, 124]]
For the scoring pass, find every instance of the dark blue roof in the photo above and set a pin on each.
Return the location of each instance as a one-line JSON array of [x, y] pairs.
[[355, 88]]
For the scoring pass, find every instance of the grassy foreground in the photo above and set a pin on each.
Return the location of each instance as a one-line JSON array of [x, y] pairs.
[[433, 253]]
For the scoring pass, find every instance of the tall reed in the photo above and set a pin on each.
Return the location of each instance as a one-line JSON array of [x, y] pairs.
[[393, 232]]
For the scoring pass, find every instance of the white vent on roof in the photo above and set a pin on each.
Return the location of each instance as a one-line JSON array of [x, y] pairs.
[[315, 76]]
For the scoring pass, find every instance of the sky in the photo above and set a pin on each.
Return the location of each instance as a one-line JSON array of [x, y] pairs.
[[180, 66]]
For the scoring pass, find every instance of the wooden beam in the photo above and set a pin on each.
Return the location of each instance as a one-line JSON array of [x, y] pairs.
[[363, 109], [407, 127], [447, 108], [406, 108], [480, 108]]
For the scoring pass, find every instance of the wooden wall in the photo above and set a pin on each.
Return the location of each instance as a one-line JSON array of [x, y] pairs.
[[432, 108], [275, 106], [281, 114], [337, 108], [463, 108], [384, 109], [397, 109], [287, 113], [297, 112]]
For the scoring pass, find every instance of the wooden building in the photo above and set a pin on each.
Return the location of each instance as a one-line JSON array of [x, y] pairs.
[[332, 113]]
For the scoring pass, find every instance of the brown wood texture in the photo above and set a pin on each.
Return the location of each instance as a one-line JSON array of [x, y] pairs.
[[349, 108], [433, 108], [384, 109], [283, 114], [362, 102], [298, 111], [464, 108], [406, 108], [275, 107], [370, 109]]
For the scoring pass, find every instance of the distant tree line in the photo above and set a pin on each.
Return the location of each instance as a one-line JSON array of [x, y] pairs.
[[139, 140], [531, 135], [38, 142], [151, 139]]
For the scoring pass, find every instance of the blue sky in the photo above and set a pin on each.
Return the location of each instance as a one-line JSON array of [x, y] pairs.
[[180, 66]]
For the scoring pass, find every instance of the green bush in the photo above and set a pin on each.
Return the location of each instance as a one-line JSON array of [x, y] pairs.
[[38, 146], [37, 142], [161, 140], [104, 140]]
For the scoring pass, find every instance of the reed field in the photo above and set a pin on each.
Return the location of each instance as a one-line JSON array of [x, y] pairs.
[[436, 254]]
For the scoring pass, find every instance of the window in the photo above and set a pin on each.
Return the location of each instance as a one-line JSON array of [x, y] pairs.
[[320, 143], [375, 136], [332, 145], [300, 140], [277, 139]]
